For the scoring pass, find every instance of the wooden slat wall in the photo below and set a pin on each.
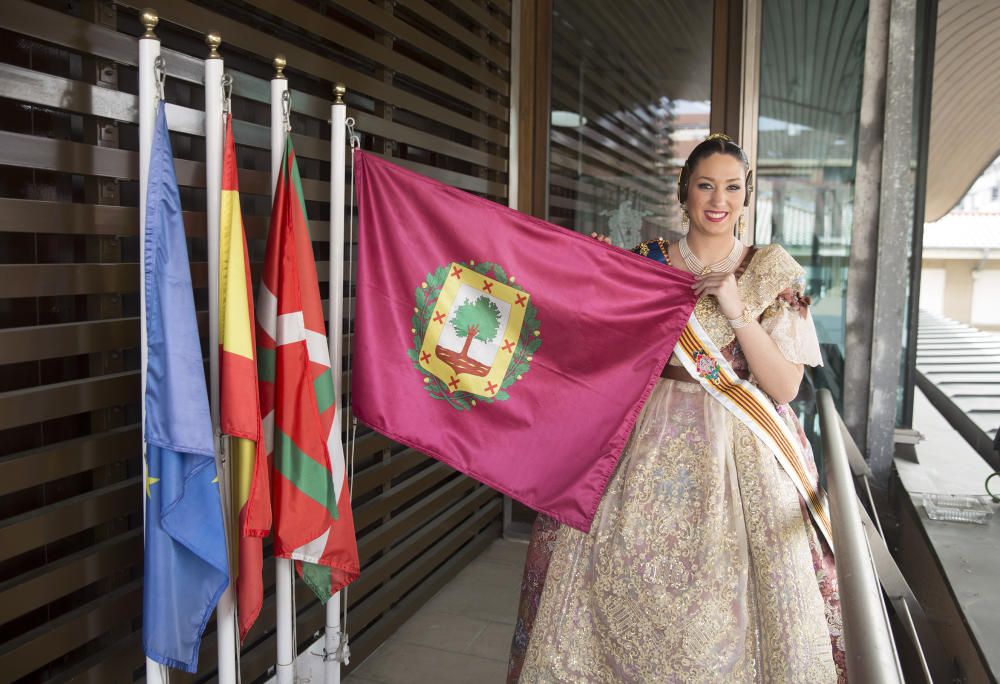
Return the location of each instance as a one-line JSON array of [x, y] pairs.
[[619, 65], [428, 85]]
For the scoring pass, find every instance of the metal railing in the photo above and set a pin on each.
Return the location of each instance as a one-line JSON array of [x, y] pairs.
[[866, 569], [871, 650]]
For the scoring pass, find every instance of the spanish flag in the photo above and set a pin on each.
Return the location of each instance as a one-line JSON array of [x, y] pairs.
[[239, 399]]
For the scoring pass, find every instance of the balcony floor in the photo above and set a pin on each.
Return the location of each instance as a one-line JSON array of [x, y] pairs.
[[462, 634]]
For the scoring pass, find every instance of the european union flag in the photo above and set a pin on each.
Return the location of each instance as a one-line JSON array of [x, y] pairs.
[[186, 568]]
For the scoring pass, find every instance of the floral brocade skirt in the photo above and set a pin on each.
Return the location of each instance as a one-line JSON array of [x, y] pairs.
[[702, 565]]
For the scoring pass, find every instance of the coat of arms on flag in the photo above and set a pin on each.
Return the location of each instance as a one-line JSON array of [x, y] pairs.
[[475, 332]]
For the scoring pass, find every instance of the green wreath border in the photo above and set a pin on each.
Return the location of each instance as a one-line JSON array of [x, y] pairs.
[[528, 341]]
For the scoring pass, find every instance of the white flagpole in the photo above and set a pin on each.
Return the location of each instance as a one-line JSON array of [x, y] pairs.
[[225, 612], [149, 51], [333, 652], [284, 574]]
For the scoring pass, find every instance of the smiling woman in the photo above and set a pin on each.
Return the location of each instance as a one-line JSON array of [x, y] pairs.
[[709, 556], [716, 195]]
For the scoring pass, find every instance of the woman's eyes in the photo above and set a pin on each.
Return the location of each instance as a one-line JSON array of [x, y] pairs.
[[708, 186]]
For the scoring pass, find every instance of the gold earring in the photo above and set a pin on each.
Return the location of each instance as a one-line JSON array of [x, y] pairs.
[[685, 220], [743, 230]]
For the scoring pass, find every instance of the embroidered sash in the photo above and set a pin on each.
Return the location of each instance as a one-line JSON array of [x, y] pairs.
[[703, 360]]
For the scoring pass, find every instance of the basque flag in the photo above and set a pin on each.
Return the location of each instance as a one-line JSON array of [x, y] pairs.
[[310, 496]]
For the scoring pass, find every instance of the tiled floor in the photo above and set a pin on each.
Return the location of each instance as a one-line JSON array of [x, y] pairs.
[[462, 634]]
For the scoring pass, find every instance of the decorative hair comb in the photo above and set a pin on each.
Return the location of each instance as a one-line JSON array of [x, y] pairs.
[[719, 136]]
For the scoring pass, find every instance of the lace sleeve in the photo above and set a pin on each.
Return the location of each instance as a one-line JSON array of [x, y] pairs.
[[790, 325]]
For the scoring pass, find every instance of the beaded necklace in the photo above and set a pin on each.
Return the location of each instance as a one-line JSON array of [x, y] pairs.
[[725, 265]]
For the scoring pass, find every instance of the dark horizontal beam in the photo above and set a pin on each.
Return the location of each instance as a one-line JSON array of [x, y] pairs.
[[45, 525], [69, 457], [37, 404]]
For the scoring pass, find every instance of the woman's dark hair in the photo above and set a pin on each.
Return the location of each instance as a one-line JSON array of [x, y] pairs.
[[717, 143]]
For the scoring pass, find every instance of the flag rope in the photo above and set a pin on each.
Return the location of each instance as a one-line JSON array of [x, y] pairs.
[[286, 114], [160, 73], [355, 142], [225, 443], [295, 624]]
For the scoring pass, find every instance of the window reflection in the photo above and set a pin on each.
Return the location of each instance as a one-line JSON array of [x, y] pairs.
[[810, 97], [630, 87]]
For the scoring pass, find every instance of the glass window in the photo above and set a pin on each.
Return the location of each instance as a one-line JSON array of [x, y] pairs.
[[631, 83], [812, 58]]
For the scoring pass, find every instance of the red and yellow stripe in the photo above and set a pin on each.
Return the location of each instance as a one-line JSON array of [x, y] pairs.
[[238, 396], [757, 409]]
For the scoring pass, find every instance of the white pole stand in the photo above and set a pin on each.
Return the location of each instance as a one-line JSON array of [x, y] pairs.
[[334, 649], [284, 576], [225, 612], [149, 51]]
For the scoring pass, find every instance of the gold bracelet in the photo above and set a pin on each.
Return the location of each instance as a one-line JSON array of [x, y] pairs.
[[741, 321]]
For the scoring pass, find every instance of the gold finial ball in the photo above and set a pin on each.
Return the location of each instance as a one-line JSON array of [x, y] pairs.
[[279, 66], [149, 19], [339, 90], [213, 40]]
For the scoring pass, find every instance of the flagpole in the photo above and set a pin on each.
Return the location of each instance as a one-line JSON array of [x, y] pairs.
[[284, 575], [149, 51], [334, 649], [225, 612]]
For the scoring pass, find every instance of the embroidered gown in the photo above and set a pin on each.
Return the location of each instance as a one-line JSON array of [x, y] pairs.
[[702, 564]]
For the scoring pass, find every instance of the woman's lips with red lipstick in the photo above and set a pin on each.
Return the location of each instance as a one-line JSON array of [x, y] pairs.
[[716, 216]]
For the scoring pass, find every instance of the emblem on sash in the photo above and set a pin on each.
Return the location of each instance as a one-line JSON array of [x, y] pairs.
[[706, 366], [474, 333]]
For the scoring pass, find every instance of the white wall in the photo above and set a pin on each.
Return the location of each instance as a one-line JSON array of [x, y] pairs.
[[932, 290], [986, 297]]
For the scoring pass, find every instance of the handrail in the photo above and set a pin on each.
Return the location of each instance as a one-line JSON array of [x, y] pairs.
[[870, 648]]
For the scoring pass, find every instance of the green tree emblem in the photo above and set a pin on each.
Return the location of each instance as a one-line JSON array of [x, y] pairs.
[[478, 320]]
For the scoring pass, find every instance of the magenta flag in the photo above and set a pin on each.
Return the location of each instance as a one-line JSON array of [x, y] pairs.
[[515, 351]]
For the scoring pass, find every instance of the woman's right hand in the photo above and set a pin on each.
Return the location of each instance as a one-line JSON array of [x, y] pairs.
[[601, 238]]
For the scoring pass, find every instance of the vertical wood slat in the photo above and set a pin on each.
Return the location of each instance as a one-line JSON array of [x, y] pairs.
[[533, 117]]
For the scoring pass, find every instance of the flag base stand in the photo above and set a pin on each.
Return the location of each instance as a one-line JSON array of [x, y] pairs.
[[342, 653], [310, 665]]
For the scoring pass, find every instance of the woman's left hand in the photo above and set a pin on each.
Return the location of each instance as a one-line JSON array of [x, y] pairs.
[[722, 286]]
